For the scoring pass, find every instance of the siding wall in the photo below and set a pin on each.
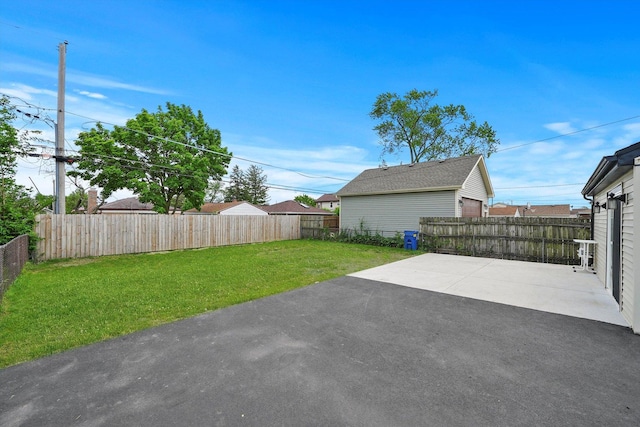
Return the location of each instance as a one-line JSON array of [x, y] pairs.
[[474, 188], [600, 236], [628, 290], [393, 213]]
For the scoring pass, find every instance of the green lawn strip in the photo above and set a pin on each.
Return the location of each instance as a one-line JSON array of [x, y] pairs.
[[58, 305]]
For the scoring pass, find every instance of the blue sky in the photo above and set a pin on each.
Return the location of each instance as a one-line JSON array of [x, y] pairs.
[[290, 83]]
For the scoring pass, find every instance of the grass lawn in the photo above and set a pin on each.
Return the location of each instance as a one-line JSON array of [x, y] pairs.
[[58, 305]]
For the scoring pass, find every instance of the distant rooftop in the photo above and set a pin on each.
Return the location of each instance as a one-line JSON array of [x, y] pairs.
[[291, 207]]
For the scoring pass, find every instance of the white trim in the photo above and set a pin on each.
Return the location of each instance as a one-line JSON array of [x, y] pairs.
[[635, 315]]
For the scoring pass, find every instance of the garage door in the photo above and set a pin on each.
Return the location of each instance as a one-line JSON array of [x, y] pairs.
[[471, 208]]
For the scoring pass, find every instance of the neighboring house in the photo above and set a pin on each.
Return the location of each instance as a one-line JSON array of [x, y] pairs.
[[231, 208], [130, 205], [539, 211], [291, 207], [610, 188], [581, 213], [546, 211], [504, 212], [328, 201], [392, 199]]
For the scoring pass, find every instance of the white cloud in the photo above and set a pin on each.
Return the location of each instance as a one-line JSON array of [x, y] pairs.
[[26, 92], [324, 169], [92, 94], [79, 78], [546, 148], [561, 128], [108, 83]]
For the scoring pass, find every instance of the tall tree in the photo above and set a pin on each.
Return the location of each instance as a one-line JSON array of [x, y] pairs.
[[305, 199], [215, 192], [162, 157], [256, 189], [76, 200], [236, 188], [12, 143], [429, 131], [17, 208]]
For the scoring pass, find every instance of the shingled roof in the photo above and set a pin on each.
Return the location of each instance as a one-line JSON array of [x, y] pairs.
[[328, 198], [449, 174], [128, 204], [291, 207], [215, 208]]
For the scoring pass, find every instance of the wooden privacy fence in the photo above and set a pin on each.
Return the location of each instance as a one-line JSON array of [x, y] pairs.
[[74, 236], [318, 226], [547, 240], [13, 256]]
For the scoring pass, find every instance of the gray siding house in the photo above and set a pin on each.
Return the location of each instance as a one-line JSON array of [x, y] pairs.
[[389, 200], [610, 188]]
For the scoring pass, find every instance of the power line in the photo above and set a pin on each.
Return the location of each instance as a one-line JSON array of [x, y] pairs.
[[94, 120], [539, 186], [568, 133], [211, 151], [144, 166]]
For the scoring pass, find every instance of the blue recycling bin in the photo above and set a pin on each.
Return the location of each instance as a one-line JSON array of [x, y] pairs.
[[411, 240]]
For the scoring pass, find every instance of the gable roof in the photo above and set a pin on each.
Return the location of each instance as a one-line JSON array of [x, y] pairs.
[[610, 169], [128, 204], [327, 198], [216, 208], [545, 210], [511, 211], [437, 175], [291, 207]]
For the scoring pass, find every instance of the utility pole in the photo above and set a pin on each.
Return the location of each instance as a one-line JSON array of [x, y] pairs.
[[60, 207]]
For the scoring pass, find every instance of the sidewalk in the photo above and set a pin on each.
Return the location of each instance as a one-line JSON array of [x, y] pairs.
[[546, 287]]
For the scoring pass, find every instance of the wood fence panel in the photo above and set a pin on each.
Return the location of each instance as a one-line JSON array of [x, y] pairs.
[[317, 226], [529, 239], [74, 236]]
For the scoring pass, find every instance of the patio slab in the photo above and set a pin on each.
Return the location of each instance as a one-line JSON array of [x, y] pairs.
[[546, 287]]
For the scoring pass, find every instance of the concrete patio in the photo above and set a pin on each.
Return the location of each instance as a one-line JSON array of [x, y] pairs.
[[546, 287]]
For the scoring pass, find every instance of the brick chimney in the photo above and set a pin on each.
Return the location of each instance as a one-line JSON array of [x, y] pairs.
[[92, 202]]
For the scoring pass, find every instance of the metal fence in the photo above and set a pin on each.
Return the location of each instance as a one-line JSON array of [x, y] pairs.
[[14, 256], [548, 240]]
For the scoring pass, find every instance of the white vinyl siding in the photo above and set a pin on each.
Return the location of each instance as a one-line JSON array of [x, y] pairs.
[[627, 291], [600, 235], [474, 187], [389, 214]]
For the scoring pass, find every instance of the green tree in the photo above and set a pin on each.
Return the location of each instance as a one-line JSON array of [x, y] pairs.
[[215, 192], [76, 200], [256, 189], [429, 131], [12, 143], [163, 157], [17, 208], [305, 200], [236, 188], [250, 186]]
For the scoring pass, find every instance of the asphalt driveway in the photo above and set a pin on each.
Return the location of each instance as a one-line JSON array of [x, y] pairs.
[[347, 352]]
